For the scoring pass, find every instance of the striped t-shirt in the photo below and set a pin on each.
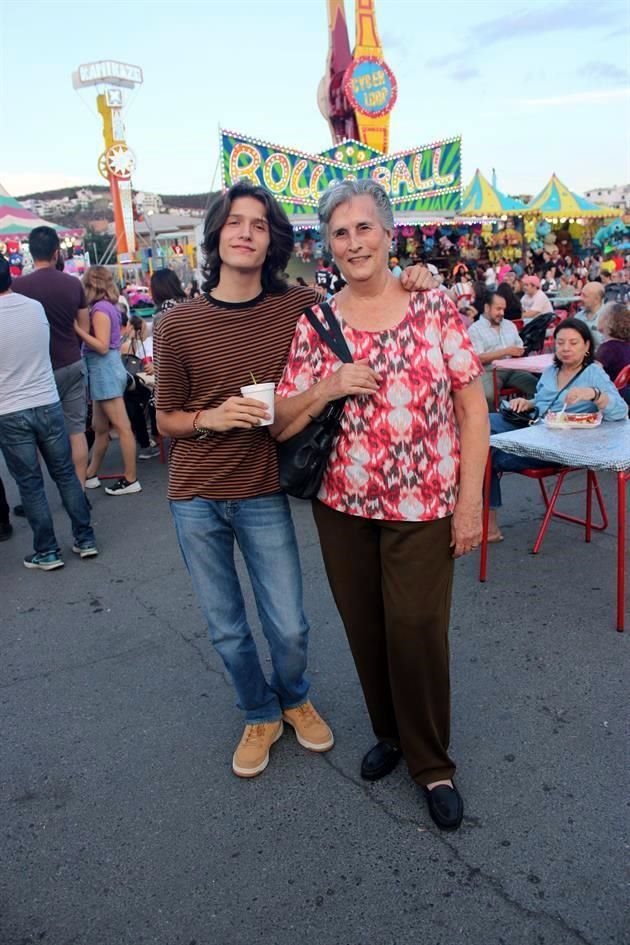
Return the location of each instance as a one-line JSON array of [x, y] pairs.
[[205, 351]]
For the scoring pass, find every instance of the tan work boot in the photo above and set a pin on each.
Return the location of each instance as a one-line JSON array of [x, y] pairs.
[[310, 729], [252, 755]]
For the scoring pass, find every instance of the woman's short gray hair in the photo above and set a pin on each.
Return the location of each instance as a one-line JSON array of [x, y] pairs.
[[345, 190]]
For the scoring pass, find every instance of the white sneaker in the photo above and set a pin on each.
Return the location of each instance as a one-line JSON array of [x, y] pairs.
[[123, 487], [92, 483]]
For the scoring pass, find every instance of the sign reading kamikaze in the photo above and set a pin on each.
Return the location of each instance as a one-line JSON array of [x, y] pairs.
[[107, 72], [424, 179]]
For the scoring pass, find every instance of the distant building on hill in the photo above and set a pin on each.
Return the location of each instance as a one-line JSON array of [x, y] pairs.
[[615, 196], [148, 203]]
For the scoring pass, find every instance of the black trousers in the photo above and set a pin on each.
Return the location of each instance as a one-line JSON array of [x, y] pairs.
[[4, 506], [392, 585], [136, 402]]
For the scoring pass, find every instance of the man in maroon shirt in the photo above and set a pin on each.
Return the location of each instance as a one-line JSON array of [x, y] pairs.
[[64, 303]]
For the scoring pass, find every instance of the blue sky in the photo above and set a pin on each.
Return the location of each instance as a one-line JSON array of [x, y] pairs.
[[533, 86]]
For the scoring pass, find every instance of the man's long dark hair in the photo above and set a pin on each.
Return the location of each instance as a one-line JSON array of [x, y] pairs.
[[280, 236]]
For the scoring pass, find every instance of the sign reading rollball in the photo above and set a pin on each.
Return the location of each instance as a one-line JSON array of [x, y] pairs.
[[370, 86]]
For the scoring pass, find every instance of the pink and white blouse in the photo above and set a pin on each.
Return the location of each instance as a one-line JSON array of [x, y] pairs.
[[397, 454]]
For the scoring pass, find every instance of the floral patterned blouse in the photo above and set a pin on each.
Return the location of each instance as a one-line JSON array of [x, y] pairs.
[[397, 455]]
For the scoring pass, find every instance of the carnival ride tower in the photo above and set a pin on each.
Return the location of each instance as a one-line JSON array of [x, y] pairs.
[[331, 97], [358, 91], [117, 162]]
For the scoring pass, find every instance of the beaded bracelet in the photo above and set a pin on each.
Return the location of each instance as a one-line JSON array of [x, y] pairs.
[[202, 432]]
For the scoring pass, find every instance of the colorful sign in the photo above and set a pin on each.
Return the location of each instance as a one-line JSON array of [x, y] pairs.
[[370, 86], [425, 179]]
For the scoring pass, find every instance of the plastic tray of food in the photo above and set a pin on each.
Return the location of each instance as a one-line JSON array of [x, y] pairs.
[[572, 421]]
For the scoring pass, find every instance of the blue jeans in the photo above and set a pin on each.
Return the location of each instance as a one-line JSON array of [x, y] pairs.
[[507, 462], [263, 529], [22, 434]]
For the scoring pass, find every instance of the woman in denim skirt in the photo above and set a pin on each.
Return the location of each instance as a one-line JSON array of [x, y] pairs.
[[107, 379]]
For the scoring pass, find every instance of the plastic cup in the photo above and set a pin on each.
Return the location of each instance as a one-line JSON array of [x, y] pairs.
[[263, 392]]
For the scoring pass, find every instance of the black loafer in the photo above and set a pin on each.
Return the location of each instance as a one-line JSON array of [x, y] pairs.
[[380, 761], [445, 806]]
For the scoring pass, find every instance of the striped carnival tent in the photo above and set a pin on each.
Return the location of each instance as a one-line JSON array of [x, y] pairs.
[[481, 199], [556, 200], [16, 220]]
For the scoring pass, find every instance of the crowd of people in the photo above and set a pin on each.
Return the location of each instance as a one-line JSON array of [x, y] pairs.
[[94, 358], [401, 495]]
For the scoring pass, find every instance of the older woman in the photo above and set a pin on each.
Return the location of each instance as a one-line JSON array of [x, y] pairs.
[[401, 496], [574, 381]]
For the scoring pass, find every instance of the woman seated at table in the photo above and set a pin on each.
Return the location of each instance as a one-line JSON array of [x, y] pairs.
[[614, 352], [574, 381]]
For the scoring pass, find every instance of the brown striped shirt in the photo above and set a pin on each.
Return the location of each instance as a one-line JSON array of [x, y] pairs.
[[204, 353]]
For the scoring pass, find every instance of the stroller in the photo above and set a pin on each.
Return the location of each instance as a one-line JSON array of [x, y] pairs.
[[533, 335]]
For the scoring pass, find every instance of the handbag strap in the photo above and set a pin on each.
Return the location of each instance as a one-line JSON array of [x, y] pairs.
[[331, 333], [583, 368]]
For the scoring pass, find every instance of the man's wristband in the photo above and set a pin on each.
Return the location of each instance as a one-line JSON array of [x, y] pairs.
[[201, 432], [597, 393]]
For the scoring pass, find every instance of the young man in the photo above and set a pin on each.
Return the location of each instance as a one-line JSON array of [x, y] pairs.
[[64, 303], [32, 422], [223, 472], [223, 475]]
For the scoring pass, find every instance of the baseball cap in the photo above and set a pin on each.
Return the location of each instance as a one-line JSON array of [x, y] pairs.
[[531, 280]]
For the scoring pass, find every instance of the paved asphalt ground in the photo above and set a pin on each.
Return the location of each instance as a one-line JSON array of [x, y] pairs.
[[122, 824]]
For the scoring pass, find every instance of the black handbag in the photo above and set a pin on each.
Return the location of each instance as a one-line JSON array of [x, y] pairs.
[[302, 459], [519, 420], [133, 365]]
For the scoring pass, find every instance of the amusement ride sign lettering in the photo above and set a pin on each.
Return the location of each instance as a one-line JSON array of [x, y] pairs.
[[424, 179], [370, 86], [107, 72]]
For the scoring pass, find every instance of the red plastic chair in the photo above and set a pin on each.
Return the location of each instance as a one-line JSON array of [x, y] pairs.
[[623, 378], [592, 489], [504, 393]]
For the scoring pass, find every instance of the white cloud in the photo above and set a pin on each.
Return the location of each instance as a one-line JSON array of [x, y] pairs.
[[577, 98]]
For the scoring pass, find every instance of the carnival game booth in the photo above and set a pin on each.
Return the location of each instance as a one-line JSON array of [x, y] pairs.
[[497, 219], [560, 222]]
